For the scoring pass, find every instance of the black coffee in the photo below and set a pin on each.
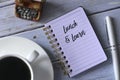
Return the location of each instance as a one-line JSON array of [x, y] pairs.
[[12, 68]]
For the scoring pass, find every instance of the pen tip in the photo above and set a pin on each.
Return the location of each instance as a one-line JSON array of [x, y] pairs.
[[108, 18]]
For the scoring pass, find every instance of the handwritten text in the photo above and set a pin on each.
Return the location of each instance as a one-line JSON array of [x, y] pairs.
[[69, 27]]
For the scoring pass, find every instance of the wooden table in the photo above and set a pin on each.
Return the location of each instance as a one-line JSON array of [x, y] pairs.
[[96, 11]]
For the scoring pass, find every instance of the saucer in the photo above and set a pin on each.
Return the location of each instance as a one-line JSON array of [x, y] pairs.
[[42, 66]]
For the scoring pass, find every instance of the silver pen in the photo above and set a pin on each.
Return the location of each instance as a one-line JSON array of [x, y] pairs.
[[113, 46]]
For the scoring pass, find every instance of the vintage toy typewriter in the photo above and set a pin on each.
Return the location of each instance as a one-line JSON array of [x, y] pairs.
[[29, 9]]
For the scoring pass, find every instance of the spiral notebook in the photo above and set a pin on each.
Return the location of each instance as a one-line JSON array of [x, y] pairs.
[[74, 40]]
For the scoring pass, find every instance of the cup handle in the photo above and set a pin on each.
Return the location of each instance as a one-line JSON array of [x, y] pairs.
[[32, 56]]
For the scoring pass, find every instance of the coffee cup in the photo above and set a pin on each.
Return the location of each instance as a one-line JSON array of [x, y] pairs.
[[16, 67]]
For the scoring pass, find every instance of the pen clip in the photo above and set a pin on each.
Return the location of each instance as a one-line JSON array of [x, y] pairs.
[[107, 32]]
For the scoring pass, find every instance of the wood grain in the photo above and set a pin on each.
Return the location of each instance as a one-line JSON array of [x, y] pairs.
[[4, 3], [52, 10], [96, 11]]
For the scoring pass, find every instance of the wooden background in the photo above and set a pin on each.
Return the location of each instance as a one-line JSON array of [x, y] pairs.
[[96, 11]]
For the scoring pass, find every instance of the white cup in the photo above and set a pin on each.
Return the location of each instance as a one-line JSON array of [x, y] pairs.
[[16, 67]]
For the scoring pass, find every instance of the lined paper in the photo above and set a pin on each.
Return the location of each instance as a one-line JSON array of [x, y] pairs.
[[78, 41]]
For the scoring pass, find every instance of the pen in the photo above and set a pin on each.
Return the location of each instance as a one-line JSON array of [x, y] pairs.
[[113, 46]]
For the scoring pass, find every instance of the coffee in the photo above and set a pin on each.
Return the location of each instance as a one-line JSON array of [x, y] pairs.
[[13, 68]]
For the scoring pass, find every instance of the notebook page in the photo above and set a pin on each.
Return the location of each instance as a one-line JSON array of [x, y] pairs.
[[78, 41]]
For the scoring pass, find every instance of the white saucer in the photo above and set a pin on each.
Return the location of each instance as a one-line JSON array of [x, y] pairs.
[[42, 67]]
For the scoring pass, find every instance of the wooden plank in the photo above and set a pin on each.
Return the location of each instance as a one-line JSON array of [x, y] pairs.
[[98, 22], [4, 3], [10, 24], [91, 6], [53, 9]]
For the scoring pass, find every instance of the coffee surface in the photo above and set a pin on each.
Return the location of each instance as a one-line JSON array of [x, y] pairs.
[[12, 68]]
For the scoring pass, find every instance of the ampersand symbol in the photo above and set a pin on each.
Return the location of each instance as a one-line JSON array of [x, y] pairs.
[[67, 40]]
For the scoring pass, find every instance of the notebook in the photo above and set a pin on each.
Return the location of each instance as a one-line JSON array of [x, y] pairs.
[[75, 42]]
